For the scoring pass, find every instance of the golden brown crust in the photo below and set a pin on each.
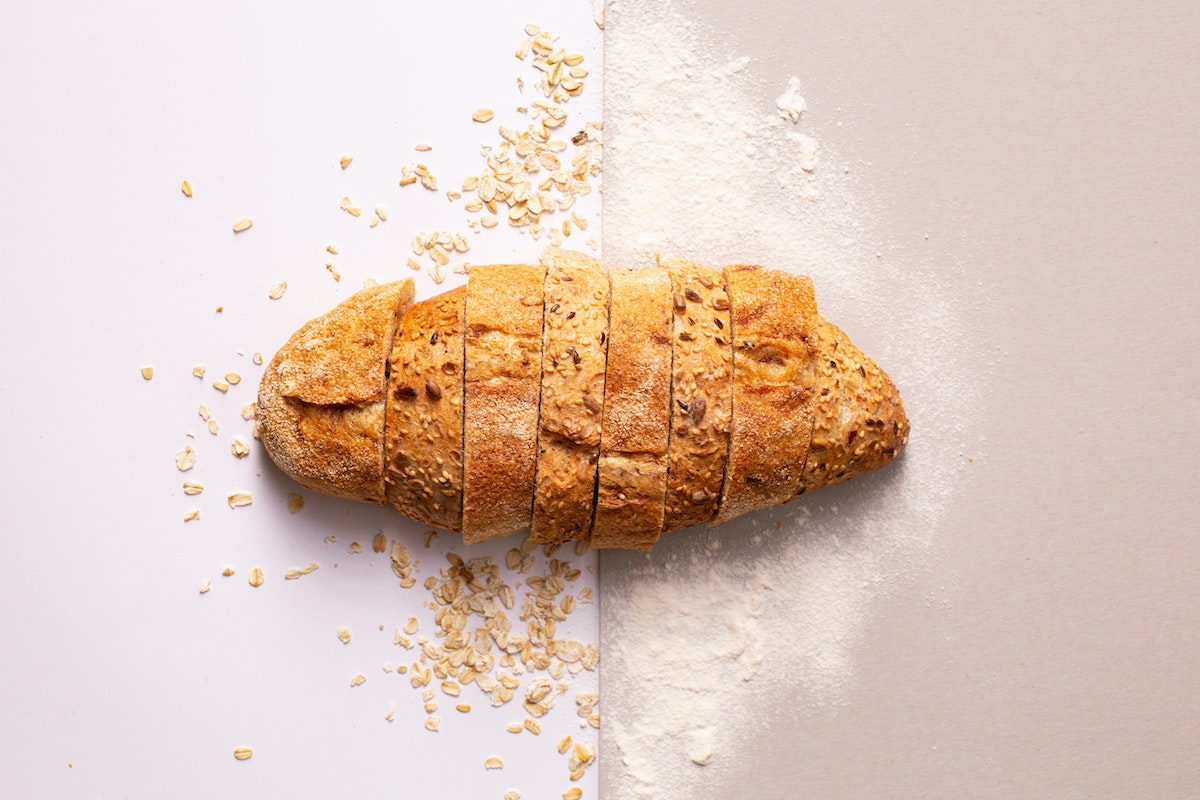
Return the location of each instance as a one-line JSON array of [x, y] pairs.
[[503, 349], [701, 392], [423, 428], [774, 344], [575, 324], [859, 422], [632, 478], [320, 409]]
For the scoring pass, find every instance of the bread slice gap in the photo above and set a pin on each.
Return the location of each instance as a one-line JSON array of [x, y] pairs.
[[503, 368], [575, 325], [774, 319], [701, 393], [423, 429], [632, 475]]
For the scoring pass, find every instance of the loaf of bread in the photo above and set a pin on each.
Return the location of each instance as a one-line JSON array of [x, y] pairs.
[[578, 403]]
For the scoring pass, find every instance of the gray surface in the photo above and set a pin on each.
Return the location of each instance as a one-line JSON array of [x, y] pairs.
[[1048, 152]]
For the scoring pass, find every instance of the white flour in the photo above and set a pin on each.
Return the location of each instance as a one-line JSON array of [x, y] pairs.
[[704, 637]]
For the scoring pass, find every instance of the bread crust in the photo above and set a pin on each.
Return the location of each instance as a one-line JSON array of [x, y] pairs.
[[575, 325], [320, 411], [636, 421], [859, 422], [701, 393], [424, 422], [774, 346], [503, 349]]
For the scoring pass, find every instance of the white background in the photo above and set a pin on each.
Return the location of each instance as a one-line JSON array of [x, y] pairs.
[[119, 678]]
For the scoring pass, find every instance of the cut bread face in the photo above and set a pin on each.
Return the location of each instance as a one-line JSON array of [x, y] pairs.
[[773, 316], [701, 393], [574, 330], [503, 368], [632, 479], [424, 422], [321, 402]]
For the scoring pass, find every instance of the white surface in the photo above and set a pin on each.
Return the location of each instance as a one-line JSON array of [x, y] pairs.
[[120, 679]]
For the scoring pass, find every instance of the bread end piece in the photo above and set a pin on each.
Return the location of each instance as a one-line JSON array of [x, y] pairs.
[[859, 424], [322, 398]]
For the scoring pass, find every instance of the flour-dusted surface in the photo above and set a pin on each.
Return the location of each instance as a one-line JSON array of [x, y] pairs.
[[719, 629]]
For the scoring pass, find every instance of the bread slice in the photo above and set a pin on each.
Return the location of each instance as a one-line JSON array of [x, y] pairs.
[[321, 402], [702, 393], [636, 421], [573, 368], [774, 332], [423, 426], [859, 423], [503, 357]]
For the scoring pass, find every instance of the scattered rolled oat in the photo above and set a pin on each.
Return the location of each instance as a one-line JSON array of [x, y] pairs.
[[205, 586], [239, 499], [191, 515], [294, 573], [349, 207], [199, 370], [233, 378], [221, 386], [345, 161], [295, 503], [512, 794], [192, 487], [355, 547], [343, 634], [564, 744], [462, 707], [257, 359], [493, 762], [186, 188], [243, 224], [185, 459], [391, 712], [574, 793], [256, 577], [334, 271], [432, 723], [379, 543], [248, 411], [147, 372], [358, 680], [240, 447], [381, 212], [242, 753], [277, 290], [483, 115], [228, 571], [423, 147]]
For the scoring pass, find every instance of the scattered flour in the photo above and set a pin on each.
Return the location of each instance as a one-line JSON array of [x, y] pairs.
[[719, 632]]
